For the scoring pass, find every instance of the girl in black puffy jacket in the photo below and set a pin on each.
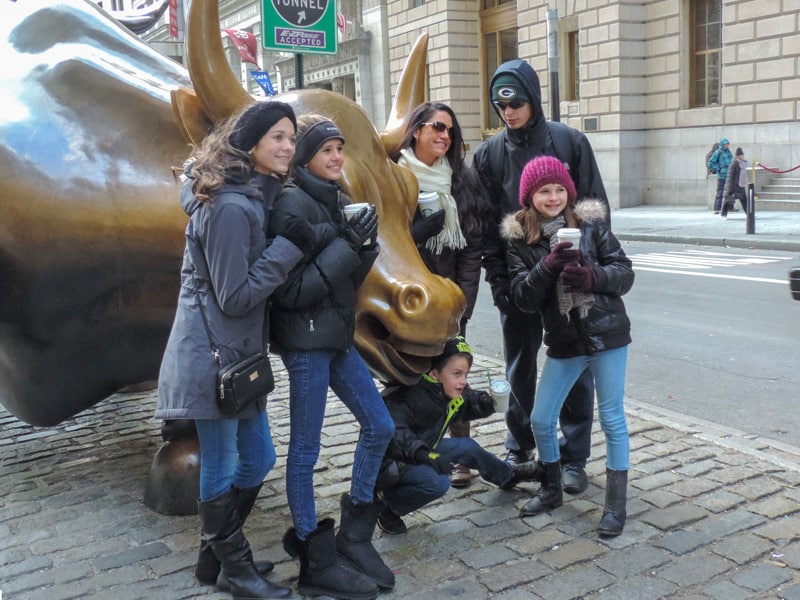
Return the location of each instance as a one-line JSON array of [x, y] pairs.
[[578, 293], [312, 328]]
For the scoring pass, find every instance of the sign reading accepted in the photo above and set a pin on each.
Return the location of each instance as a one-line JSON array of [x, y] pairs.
[[299, 26]]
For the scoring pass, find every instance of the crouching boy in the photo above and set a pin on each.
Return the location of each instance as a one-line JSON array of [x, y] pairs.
[[416, 468]]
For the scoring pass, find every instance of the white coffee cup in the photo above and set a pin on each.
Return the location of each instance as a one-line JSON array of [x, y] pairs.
[[352, 209], [501, 391], [428, 203], [569, 234]]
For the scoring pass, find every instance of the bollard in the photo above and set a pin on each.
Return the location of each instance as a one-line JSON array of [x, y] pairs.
[[751, 209]]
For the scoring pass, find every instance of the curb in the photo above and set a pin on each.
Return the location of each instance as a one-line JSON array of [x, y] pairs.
[[746, 243]]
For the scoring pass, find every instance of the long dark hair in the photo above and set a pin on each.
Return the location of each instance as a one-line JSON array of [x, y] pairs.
[[474, 209]]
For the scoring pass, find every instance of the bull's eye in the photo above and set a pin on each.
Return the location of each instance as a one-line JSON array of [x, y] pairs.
[[411, 299]]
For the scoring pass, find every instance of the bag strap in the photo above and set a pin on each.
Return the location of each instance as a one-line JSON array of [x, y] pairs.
[[214, 349], [559, 132]]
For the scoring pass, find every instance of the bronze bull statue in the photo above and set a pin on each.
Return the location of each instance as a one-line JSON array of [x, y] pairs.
[[94, 124]]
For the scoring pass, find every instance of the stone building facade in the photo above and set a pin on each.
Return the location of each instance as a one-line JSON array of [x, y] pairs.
[[653, 83]]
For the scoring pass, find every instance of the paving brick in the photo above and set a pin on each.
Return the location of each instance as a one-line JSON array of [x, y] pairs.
[[578, 583], [783, 528], [683, 542], [730, 522], [691, 569], [658, 480], [514, 574], [756, 488], [130, 556], [487, 556], [742, 548], [637, 587], [661, 498], [775, 506], [674, 516], [719, 501], [627, 562], [571, 553], [725, 590], [763, 578]]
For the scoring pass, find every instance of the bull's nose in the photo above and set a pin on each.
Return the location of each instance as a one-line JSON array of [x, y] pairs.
[[411, 299]]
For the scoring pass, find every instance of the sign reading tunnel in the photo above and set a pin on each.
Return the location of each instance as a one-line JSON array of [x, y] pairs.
[[299, 26]]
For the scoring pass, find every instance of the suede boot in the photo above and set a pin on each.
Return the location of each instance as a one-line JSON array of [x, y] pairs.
[[321, 570], [550, 495], [614, 511], [207, 570], [354, 540], [221, 528]]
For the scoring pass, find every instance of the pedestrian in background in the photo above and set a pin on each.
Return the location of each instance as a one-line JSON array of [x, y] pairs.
[[718, 163], [450, 241], [736, 184], [229, 271], [516, 96], [578, 293], [313, 327]]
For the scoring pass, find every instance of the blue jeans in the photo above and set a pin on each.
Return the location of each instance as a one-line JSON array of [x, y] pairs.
[[558, 376], [233, 452], [310, 375], [421, 484]]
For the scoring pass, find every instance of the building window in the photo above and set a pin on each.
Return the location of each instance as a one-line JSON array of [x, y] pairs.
[[569, 59], [417, 3], [499, 33], [706, 28]]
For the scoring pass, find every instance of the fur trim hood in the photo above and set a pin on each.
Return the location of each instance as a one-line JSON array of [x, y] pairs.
[[586, 211]]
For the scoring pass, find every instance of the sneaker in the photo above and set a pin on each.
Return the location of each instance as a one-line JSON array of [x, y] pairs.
[[517, 457], [460, 476], [574, 479], [389, 522], [724, 217]]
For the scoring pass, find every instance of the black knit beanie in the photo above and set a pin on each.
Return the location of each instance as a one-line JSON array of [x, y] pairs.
[[257, 120], [311, 141]]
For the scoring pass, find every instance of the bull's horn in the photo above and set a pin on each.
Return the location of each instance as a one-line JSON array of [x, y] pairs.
[[410, 94], [219, 92]]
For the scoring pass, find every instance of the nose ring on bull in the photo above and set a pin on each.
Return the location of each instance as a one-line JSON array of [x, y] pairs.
[[411, 299]]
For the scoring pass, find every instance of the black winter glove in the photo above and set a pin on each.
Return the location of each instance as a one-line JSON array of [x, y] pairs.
[[361, 227], [501, 295], [299, 231], [427, 227], [559, 257], [434, 460]]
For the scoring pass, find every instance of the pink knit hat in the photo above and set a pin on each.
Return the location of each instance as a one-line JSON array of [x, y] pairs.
[[540, 171]]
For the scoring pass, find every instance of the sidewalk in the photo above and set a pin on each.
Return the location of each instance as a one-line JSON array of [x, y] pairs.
[[713, 514], [774, 230]]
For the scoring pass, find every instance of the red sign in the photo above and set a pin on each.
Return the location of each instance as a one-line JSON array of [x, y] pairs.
[[173, 18], [246, 44]]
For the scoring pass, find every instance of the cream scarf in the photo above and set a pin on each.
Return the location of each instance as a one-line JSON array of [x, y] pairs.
[[437, 178]]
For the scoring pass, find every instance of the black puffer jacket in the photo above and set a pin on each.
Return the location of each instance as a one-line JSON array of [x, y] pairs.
[[315, 308], [421, 415], [534, 289]]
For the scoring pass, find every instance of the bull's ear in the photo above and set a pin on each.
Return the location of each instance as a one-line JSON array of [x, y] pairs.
[[410, 94], [190, 116]]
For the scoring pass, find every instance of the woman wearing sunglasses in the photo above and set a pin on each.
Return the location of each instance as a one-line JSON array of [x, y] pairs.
[[450, 241]]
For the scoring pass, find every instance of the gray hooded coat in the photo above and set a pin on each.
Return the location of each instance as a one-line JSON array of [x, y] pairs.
[[236, 273]]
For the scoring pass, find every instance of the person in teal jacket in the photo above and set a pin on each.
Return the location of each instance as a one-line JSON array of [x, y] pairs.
[[719, 163]]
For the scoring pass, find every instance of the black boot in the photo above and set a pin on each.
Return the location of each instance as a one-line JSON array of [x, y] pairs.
[[550, 494], [207, 570], [527, 471], [221, 528], [322, 573], [614, 512], [354, 540]]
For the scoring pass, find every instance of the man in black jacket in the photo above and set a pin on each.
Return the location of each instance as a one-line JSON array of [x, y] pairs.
[[515, 94]]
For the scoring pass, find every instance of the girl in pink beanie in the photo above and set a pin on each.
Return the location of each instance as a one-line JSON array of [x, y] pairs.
[[577, 291]]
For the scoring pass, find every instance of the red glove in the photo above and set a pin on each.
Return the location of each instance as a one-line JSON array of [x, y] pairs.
[[559, 257], [578, 278]]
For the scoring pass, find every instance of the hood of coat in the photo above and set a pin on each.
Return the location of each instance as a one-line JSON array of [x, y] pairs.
[[586, 211]]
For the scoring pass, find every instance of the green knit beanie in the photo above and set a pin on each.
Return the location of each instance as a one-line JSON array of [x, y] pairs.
[[507, 88]]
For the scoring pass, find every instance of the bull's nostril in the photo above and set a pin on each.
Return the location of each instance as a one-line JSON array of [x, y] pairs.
[[411, 299]]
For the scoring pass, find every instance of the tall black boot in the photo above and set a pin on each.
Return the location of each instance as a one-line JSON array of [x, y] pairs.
[[207, 570], [550, 495], [354, 540], [221, 528], [321, 570], [614, 511]]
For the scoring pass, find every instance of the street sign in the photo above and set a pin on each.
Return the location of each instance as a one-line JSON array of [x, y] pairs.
[[299, 26]]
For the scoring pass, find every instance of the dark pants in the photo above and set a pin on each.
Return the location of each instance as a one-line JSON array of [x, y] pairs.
[[720, 193], [522, 338]]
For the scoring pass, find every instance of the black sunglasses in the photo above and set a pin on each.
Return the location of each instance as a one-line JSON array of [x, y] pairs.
[[439, 127], [514, 104]]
